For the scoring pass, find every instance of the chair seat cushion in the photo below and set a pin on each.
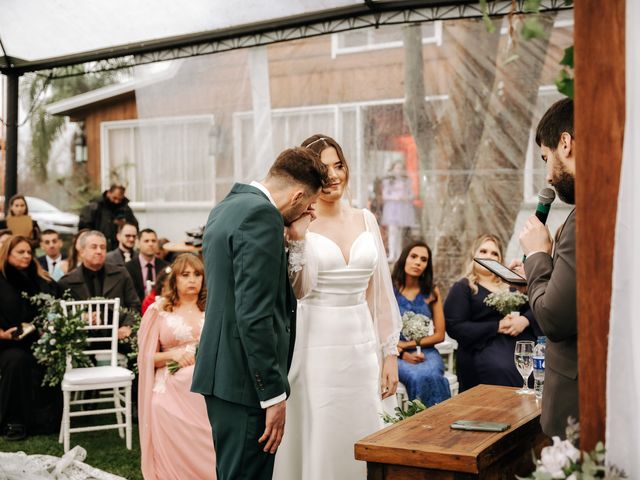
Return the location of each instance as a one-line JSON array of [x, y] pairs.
[[96, 375], [452, 378]]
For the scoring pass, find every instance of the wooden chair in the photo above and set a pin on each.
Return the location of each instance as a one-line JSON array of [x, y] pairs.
[[101, 316]]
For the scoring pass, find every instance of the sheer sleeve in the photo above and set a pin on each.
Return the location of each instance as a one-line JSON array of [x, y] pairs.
[[380, 296], [303, 267]]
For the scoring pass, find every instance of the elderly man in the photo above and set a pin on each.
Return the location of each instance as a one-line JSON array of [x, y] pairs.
[[97, 278]]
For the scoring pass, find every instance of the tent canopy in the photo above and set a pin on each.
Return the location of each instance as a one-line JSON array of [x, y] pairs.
[[37, 35]]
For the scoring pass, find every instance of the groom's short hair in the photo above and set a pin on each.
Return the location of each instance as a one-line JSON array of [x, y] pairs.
[[302, 166]]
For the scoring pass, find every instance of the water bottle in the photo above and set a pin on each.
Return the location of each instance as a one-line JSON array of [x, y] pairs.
[[538, 366]]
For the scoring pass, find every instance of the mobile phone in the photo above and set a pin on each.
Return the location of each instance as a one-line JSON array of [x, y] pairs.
[[479, 426], [23, 330], [501, 271]]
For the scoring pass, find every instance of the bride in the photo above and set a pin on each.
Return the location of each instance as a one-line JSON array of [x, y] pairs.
[[345, 357]]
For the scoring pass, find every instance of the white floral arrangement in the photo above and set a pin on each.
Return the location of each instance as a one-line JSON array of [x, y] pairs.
[[506, 301], [415, 326], [60, 336], [563, 460]]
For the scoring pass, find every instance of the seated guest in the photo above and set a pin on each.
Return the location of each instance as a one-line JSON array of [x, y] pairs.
[[175, 436], [486, 338], [162, 253], [73, 260], [421, 373], [97, 278], [23, 403], [51, 261], [145, 267], [125, 252], [156, 291], [20, 222], [5, 233]]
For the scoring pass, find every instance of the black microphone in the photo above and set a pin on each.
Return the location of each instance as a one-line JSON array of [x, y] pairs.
[[546, 196], [545, 199]]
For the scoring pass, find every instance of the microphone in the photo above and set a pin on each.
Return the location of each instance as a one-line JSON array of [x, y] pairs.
[[545, 199], [546, 196]]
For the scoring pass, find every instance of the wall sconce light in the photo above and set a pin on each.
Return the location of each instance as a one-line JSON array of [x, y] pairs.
[[80, 143]]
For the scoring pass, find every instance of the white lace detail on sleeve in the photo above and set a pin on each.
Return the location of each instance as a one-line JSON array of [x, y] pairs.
[[296, 256], [390, 347]]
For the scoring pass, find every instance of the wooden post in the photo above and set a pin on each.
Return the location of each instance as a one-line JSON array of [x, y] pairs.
[[599, 129]]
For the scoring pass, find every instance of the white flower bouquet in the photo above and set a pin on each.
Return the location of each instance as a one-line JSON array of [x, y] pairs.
[[415, 326], [506, 302], [563, 460]]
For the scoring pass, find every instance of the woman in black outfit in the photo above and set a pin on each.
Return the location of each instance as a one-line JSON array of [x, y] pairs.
[[20, 376], [486, 338]]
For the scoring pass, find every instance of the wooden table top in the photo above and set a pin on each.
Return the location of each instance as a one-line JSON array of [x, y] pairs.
[[426, 441]]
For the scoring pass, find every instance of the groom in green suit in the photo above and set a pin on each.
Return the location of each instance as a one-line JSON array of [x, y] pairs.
[[247, 340]]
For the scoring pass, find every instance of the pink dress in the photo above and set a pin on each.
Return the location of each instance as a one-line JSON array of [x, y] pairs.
[[175, 434]]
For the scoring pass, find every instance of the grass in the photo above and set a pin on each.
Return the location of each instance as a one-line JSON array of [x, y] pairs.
[[105, 449]]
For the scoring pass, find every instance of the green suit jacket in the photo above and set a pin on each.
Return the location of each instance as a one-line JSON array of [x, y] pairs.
[[247, 340]]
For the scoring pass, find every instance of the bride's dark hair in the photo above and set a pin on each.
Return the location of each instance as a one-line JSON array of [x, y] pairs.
[[318, 142]]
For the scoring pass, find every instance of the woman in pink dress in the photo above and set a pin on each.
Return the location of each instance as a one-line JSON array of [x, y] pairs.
[[175, 434]]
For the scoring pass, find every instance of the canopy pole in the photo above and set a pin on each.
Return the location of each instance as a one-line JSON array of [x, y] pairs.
[[11, 145]]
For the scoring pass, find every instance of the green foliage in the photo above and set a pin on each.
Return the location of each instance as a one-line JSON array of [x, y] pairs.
[[413, 407], [484, 7], [564, 81], [39, 91]]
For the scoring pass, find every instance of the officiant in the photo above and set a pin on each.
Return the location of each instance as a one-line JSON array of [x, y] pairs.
[[25, 406]]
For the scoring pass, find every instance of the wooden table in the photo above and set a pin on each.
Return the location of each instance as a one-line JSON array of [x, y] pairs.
[[424, 447]]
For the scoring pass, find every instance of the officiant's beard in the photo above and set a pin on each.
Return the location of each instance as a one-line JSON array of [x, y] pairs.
[[565, 186]]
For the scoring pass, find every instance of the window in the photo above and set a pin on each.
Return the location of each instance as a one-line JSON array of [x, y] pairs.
[[163, 159], [389, 36]]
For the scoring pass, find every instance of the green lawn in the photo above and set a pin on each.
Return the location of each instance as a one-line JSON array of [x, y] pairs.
[[105, 450]]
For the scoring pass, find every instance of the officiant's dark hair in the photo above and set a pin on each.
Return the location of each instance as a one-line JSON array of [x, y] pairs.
[[557, 120], [425, 281], [302, 166]]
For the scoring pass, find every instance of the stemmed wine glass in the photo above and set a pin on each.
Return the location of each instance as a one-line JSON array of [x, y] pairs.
[[523, 357]]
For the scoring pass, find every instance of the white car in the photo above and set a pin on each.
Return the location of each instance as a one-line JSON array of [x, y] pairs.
[[49, 217]]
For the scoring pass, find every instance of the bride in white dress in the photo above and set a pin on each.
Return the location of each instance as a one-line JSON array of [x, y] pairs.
[[345, 356]]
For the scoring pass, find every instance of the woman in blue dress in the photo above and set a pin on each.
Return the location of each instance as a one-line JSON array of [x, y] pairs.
[[422, 373]]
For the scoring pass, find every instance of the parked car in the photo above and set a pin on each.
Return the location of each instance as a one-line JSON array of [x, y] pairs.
[[48, 216]]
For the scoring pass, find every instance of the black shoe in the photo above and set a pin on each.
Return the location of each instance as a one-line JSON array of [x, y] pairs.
[[15, 432]]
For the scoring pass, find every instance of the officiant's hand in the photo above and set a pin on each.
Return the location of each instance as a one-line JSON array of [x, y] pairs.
[[8, 333], [274, 427]]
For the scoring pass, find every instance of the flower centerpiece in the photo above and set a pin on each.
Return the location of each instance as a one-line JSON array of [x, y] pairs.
[[563, 460], [506, 301], [61, 336], [415, 326]]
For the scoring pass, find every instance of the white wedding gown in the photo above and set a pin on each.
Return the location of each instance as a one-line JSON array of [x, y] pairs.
[[335, 373]]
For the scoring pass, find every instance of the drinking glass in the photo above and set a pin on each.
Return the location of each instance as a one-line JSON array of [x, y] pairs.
[[523, 356]]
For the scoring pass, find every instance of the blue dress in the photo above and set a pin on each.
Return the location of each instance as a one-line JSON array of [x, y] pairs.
[[424, 380]]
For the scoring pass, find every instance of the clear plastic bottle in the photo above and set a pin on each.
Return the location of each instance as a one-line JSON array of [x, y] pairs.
[[538, 366]]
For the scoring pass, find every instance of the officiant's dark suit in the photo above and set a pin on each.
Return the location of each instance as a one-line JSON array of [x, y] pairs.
[[247, 340]]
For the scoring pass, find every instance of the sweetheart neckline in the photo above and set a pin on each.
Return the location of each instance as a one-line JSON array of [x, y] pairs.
[[347, 262]]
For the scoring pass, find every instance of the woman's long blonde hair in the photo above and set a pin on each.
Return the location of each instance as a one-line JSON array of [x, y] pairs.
[[170, 289], [470, 272]]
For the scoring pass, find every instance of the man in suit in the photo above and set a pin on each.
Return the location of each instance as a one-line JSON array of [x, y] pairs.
[[52, 245], [247, 340], [551, 278], [97, 278], [145, 267], [124, 252]]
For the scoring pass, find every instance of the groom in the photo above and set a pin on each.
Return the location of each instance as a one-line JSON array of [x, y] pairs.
[[247, 340]]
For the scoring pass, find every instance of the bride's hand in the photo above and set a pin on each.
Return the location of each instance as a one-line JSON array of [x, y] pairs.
[[389, 380], [299, 227]]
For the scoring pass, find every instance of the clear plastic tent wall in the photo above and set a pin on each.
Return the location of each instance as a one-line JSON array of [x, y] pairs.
[[36, 30], [436, 121]]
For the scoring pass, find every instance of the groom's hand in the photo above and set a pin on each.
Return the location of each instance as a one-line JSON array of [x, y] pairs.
[[299, 227], [274, 427]]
